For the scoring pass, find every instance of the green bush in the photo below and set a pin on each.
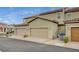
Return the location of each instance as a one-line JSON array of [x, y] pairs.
[[66, 40], [25, 36], [7, 32]]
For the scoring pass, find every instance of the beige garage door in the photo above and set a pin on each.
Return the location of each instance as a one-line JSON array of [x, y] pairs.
[[20, 31], [75, 34], [39, 32]]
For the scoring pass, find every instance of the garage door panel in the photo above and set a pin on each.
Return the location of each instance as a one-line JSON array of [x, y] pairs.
[[75, 34], [21, 31], [39, 32]]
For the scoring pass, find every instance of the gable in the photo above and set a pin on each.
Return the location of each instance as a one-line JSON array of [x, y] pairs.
[[53, 21], [28, 19], [39, 22]]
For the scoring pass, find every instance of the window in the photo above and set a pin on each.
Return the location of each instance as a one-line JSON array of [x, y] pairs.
[[68, 16], [59, 15]]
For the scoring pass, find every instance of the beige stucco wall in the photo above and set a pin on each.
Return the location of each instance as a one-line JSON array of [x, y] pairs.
[[73, 15], [52, 27], [68, 29], [61, 29], [54, 16]]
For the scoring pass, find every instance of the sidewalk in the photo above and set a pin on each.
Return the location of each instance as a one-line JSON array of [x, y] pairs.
[[74, 45]]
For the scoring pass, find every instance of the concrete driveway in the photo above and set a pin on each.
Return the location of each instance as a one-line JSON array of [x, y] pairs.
[[13, 45]]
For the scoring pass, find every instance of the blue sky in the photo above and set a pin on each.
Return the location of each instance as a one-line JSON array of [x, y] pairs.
[[15, 15]]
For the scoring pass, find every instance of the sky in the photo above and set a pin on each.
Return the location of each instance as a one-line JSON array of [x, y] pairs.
[[15, 15]]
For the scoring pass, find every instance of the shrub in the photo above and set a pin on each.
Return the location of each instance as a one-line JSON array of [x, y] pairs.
[[7, 32], [66, 40], [25, 36]]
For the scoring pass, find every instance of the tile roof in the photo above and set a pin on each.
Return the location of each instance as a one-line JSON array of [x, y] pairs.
[[75, 9], [20, 25]]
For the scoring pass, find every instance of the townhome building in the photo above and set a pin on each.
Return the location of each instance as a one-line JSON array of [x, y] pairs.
[[43, 25], [50, 25]]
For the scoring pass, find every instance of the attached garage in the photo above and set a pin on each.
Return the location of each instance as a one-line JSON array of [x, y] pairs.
[[72, 31], [20, 31], [43, 28], [39, 32], [75, 34]]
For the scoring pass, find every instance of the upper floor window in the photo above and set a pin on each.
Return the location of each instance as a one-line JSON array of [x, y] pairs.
[[59, 15], [68, 16]]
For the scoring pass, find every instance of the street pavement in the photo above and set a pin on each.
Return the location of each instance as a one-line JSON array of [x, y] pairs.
[[14, 45]]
